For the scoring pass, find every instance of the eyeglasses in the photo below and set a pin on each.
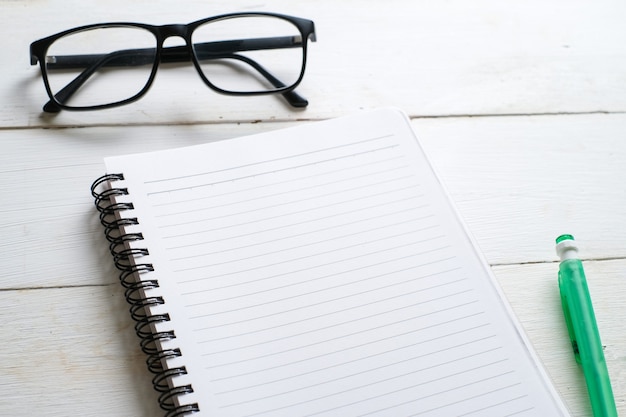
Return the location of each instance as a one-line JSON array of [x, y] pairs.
[[111, 64]]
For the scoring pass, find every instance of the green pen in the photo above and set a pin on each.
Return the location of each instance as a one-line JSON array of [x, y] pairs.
[[582, 327]]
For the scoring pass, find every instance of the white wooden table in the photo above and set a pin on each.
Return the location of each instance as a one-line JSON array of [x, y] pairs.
[[520, 105]]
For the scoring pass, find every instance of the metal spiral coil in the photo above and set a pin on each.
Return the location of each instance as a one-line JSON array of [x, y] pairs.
[[128, 260]]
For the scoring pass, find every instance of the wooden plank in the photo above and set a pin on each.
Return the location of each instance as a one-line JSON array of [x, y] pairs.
[[72, 351], [50, 228], [532, 291], [519, 182], [514, 202], [429, 58]]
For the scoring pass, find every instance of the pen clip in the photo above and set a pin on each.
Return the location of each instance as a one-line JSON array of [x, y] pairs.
[[570, 327]]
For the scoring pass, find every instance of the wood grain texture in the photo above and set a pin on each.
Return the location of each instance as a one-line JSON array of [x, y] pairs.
[[519, 182], [72, 351], [514, 202], [532, 292], [520, 106], [430, 58]]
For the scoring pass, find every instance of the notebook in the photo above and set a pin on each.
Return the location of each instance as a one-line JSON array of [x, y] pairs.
[[319, 270]]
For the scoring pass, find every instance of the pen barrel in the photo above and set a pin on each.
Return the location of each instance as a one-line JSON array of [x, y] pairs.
[[586, 337]]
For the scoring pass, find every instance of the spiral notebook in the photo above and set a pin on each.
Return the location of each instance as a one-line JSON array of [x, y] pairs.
[[319, 270]]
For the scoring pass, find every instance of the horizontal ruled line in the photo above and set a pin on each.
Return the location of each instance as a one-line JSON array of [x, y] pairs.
[[386, 352], [296, 201], [376, 382], [309, 268], [347, 335], [343, 213], [387, 365], [383, 395], [335, 203], [351, 295], [321, 174], [317, 242], [257, 174], [507, 401], [358, 142], [447, 391], [353, 347], [300, 223], [334, 287], [312, 255], [335, 324]]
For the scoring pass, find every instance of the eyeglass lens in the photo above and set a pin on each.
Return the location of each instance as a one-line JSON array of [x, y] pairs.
[[100, 66], [243, 54], [255, 50]]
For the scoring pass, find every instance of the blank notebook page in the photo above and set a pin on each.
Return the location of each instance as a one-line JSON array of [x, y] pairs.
[[322, 271]]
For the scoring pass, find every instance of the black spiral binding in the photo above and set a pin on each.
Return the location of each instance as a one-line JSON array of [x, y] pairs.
[[128, 261]]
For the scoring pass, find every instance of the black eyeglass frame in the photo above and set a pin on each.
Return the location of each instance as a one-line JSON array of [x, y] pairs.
[[39, 48]]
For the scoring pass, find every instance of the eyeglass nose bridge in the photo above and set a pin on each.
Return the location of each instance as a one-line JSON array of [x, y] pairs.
[[179, 53], [174, 30]]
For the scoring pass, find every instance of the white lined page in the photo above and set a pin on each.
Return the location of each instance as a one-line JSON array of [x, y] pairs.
[[321, 271]]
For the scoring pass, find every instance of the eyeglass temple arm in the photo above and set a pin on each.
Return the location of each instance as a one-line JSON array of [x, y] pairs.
[[208, 51], [136, 57], [226, 49], [79, 61], [294, 99]]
